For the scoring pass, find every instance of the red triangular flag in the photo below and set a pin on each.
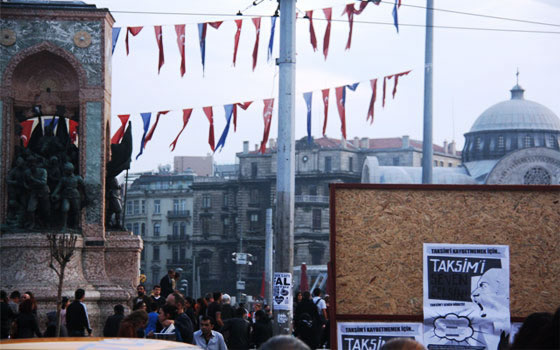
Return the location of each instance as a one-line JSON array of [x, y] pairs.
[[26, 130], [257, 23], [326, 103], [397, 81], [216, 24], [159, 39], [151, 132], [373, 83], [132, 30], [180, 30], [267, 116], [341, 109], [244, 106], [312, 36], [120, 132], [384, 86], [186, 117], [327, 38], [73, 131], [239, 23], [210, 116], [350, 11]]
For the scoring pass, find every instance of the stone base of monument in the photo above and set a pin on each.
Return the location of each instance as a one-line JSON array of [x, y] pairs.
[[107, 269]]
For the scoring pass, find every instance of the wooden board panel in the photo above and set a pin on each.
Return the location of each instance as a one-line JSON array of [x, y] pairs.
[[377, 232]]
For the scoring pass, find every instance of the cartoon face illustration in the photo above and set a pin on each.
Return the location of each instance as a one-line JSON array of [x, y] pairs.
[[491, 293]]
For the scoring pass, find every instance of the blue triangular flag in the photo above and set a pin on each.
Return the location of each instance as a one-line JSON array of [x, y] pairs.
[[396, 16], [308, 96], [353, 87], [229, 111], [202, 39], [116, 32], [271, 40], [146, 119]]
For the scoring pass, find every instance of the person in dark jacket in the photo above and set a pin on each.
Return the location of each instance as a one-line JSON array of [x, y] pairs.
[[113, 322], [6, 316], [77, 319], [166, 283], [50, 332], [182, 322], [307, 324], [237, 330], [26, 322], [262, 329]]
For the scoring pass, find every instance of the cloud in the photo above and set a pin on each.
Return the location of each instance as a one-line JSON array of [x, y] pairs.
[[453, 327]]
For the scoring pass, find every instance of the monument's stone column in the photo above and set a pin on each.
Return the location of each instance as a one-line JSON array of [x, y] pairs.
[[55, 62]]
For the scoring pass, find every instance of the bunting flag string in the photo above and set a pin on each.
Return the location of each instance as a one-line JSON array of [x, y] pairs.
[[308, 96], [312, 36], [397, 81], [271, 40], [186, 116], [210, 115], [257, 23], [370, 114], [351, 11], [243, 106], [120, 132], [180, 30], [146, 121], [229, 111], [151, 132], [326, 104], [267, 116], [239, 24], [327, 37], [134, 31], [114, 37], [159, 39]]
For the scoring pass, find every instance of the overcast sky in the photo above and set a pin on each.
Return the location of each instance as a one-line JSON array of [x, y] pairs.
[[473, 69]]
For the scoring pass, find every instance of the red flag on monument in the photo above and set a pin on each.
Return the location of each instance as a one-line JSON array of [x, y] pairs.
[[27, 128], [120, 132]]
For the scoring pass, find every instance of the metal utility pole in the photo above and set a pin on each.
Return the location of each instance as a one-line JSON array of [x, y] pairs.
[[427, 149], [285, 177], [268, 271]]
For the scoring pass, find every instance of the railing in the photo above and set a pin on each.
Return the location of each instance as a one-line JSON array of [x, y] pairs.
[[304, 198], [179, 214], [177, 238]]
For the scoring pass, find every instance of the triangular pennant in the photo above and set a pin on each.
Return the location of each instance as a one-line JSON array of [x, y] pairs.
[[308, 96], [180, 30], [327, 38], [151, 132], [312, 36], [120, 132], [27, 127], [186, 116], [340, 103], [267, 117], [159, 40], [271, 40], [396, 15], [397, 81], [146, 121], [239, 24], [257, 23], [229, 111], [353, 87], [370, 114], [73, 131], [115, 36], [202, 41], [326, 108], [210, 116], [244, 106], [216, 24], [132, 30]]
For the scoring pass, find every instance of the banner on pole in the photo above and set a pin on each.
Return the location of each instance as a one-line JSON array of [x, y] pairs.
[[282, 291]]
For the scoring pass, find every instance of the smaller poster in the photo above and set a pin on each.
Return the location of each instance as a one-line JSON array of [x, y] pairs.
[[372, 335], [282, 291]]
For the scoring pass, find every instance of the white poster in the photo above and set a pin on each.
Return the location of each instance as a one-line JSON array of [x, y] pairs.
[[466, 296], [372, 335], [282, 291]]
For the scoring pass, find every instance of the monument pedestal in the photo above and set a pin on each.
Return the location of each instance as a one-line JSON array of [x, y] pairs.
[[108, 272]]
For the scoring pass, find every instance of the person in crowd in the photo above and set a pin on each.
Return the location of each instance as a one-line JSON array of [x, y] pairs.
[[153, 325], [113, 323], [166, 283], [63, 307], [215, 311], [207, 338], [132, 324], [182, 322], [141, 297], [326, 336], [237, 330], [402, 344], [262, 329], [6, 315], [141, 306], [190, 311], [526, 337], [227, 310], [284, 342], [156, 296], [50, 332], [29, 295], [322, 312], [14, 301], [167, 316], [308, 325], [77, 320], [256, 307], [176, 279], [26, 325], [297, 299]]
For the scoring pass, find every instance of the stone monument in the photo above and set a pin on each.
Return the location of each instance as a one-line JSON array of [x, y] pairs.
[[55, 105]]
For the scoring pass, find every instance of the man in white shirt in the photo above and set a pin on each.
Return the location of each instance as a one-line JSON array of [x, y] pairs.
[[320, 303], [208, 339]]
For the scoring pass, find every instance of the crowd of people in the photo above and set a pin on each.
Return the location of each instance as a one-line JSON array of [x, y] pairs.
[[213, 323]]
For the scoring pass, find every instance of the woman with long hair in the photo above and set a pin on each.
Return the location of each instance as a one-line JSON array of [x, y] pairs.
[[26, 325], [132, 323]]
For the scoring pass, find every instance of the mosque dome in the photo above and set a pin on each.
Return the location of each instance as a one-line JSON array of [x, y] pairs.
[[517, 114]]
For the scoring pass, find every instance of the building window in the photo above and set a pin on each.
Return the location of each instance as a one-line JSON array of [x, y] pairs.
[[157, 207], [254, 196], [143, 229], [351, 164], [253, 221], [450, 165], [527, 141], [225, 226], [136, 228], [441, 163], [328, 164], [206, 203], [313, 190], [537, 176], [136, 207], [182, 253], [316, 219], [157, 227], [396, 161], [501, 143], [156, 253], [129, 207], [551, 141], [176, 205], [205, 225], [175, 254], [298, 189], [435, 163], [225, 200], [254, 170], [129, 227], [183, 229], [479, 144], [175, 229], [143, 209]]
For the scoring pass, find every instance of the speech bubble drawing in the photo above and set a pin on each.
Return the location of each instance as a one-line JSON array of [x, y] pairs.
[[453, 327]]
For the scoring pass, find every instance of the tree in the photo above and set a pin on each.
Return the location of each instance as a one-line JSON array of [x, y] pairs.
[[62, 247]]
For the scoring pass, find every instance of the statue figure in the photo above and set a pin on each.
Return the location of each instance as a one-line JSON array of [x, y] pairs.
[[53, 172], [35, 181], [114, 203], [16, 193], [70, 189]]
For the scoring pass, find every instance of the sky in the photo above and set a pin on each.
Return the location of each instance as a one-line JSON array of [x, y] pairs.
[[473, 69]]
